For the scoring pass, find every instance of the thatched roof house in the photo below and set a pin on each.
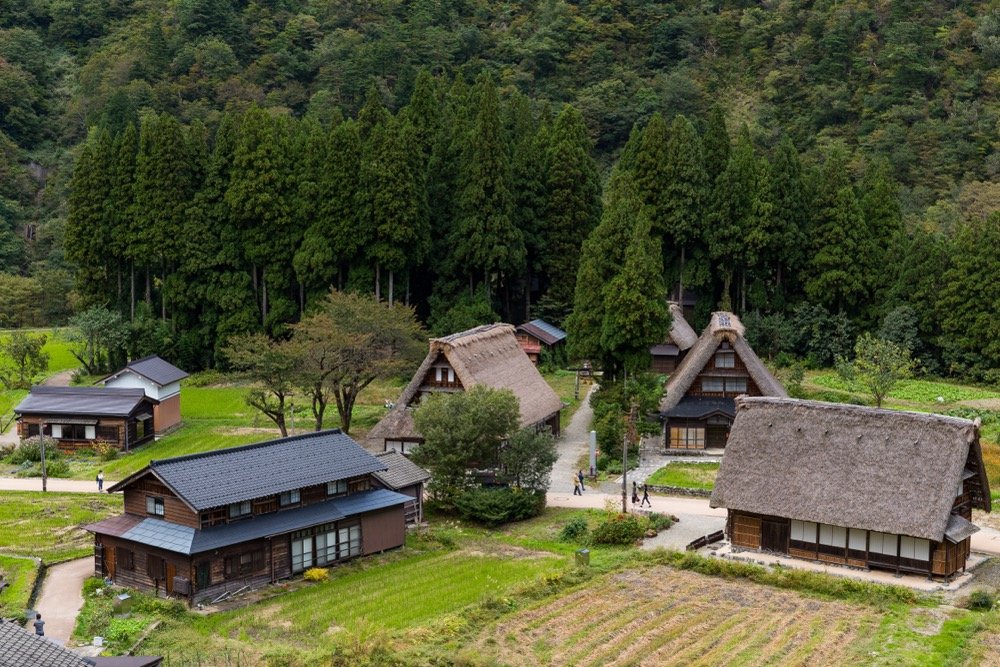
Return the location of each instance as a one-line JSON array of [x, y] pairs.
[[698, 408], [666, 355], [489, 355], [850, 484]]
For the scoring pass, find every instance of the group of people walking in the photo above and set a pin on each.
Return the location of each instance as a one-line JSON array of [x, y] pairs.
[[578, 489]]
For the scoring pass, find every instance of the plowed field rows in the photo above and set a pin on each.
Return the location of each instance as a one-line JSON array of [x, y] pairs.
[[667, 617]]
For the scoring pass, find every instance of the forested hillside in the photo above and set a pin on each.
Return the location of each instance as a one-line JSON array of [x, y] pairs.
[[832, 171]]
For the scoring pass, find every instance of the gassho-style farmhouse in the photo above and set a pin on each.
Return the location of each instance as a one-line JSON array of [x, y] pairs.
[[489, 355], [201, 525], [852, 485], [698, 409]]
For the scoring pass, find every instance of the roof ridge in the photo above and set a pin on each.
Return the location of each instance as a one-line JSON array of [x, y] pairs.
[[243, 448], [850, 407], [146, 358]]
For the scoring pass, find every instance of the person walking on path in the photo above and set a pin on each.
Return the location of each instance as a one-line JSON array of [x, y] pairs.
[[645, 496], [576, 486], [100, 481], [39, 625], [635, 494], [580, 476]]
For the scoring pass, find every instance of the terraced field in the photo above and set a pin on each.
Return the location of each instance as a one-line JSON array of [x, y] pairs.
[[666, 617]]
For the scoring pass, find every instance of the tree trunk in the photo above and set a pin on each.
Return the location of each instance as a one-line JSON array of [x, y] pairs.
[[340, 276], [149, 289], [378, 282], [392, 286], [163, 294], [263, 292], [727, 283], [132, 281]]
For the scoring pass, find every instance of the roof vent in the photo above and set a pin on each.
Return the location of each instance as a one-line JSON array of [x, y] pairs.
[[724, 320]]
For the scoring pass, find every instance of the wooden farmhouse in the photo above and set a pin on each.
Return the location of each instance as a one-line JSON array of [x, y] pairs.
[[698, 408], [854, 485], [538, 335], [667, 355], [199, 526], [78, 417], [489, 355], [406, 477], [161, 381]]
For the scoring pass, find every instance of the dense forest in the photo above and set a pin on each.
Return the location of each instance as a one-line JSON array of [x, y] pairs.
[[206, 167]]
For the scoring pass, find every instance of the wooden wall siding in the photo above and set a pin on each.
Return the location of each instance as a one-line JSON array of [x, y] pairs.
[[385, 529], [946, 558], [70, 446], [663, 364], [281, 557], [746, 531], [174, 509], [138, 577], [167, 414]]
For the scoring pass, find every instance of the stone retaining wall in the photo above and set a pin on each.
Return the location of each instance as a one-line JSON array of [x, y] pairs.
[[680, 491]]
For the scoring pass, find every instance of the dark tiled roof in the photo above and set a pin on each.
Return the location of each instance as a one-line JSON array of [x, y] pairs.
[[543, 331], [97, 401], [154, 369], [959, 528], [696, 407], [128, 661], [185, 540], [224, 476], [664, 350], [22, 648], [402, 471]]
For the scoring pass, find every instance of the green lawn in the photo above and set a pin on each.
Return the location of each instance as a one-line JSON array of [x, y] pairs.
[[57, 346], [48, 525], [20, 573], [564, 384], [686, 475]]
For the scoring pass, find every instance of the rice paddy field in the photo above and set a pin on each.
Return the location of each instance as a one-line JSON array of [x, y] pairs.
[[20, 575], [49, 525]]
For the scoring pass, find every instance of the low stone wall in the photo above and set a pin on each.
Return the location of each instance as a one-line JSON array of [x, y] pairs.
[[680, 491]]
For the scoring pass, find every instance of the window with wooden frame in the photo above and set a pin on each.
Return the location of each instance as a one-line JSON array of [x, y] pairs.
[[216, 517], [337, 488], [240, 509], [357, 485], [154, 505], [725, 359], [289, 498], [349, 541], [687, 437], [33, 430], [125, 558], [244, 564], [107, 433]]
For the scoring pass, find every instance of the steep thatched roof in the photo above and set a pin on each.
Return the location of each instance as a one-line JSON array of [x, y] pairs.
[[681, 333], [723, 327], [488, 355], [847, 465]]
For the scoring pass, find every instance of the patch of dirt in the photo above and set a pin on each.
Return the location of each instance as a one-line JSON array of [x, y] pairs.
[[508, 551], [245, 430], [982, 403], [988, 520], [662, 616], [928, 622]]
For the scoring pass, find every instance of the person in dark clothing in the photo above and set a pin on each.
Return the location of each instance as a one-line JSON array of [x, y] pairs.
[[39, 625], [635, 493], [645, 496], [100, 481], [580, 477]]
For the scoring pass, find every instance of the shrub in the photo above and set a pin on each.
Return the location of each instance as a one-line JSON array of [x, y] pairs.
[[30, 451], [659, 521], [106, 450], [124, 631], [53, 468], [618, 529], [497, 506], [574, 531], [316, 574], [980, 601]]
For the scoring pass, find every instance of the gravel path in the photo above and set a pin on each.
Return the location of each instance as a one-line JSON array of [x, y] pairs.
[[62, 597], [571, 445]]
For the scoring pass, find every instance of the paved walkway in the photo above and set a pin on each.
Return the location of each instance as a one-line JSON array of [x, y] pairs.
[[54, 484], [571, 445], [61, 597]]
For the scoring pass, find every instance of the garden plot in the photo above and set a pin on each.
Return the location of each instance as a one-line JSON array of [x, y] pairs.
[[662, 616]]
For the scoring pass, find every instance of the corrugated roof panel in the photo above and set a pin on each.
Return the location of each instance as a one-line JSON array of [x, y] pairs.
[[98, 401], [156, 369]]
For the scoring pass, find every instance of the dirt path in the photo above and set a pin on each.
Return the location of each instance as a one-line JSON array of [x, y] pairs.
[[62, 597], [60, 379], [54, 484], [571, 445]]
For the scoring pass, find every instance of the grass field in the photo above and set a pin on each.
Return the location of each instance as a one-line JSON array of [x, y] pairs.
[[917, 393], [57, 346], [20, 573], [48, 525], [686, 475]]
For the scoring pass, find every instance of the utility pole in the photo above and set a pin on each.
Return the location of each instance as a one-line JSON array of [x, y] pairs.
[[41, 440], [625, 454]]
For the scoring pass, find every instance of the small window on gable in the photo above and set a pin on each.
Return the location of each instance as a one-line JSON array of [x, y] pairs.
[[725, 359], [154, 505], [289, 498]]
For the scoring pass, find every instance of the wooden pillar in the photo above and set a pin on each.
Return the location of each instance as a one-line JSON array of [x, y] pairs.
[[868, 548], [899, 545]]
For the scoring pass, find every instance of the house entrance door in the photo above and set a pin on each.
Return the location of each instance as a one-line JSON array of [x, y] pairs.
[[171, 573], [201, 575], [109, 562], [774, 536]]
